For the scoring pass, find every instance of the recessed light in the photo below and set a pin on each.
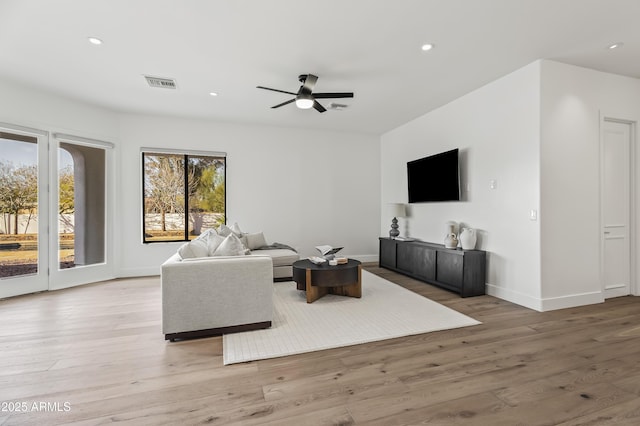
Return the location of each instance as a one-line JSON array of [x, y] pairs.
[[95, 40], [615, 45], [213, 93], [426, 47]]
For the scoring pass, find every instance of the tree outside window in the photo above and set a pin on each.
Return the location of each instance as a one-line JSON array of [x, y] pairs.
[[18, 194], [183, 194]]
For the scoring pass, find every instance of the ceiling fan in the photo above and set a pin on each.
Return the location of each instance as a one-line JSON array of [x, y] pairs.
[[305, 98]]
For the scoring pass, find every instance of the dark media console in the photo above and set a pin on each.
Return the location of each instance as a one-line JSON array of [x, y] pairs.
[[461, 271]]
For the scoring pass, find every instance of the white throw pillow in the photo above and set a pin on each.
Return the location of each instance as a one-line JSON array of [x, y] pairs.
[[206, 234], [231, 246], [213, 242], [224, 230], [236, 229], [255, 241], [193, 249]]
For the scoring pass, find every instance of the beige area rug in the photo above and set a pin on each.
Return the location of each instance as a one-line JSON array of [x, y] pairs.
[[385, 311]]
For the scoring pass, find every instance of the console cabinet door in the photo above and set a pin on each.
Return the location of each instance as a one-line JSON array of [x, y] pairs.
[[424, 266], [406, 257], [388, 253], [449, 269]]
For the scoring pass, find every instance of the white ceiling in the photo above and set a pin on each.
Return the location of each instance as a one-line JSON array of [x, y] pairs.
[[370, 47]]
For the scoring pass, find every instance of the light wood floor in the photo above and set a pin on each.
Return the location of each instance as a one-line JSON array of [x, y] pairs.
[[99, 350]]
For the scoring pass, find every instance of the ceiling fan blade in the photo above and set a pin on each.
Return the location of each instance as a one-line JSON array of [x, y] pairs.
[[318, 107], [333, 95], [309, 83], [284, 103], [275, 90]]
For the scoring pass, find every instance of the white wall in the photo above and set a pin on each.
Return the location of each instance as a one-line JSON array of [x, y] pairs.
[[496, 129], [573, 101], [29, 107], [299, 187]]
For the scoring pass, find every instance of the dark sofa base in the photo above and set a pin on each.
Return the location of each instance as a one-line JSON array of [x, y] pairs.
[[184, 335]]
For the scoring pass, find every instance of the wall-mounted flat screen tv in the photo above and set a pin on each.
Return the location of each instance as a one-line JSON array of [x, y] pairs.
[[434, 178]]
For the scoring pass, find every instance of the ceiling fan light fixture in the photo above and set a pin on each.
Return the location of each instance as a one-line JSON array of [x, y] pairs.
[[304, 101]]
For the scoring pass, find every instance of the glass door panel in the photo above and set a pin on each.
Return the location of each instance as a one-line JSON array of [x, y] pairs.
[[23, 209], [81, 219], [81, 205]]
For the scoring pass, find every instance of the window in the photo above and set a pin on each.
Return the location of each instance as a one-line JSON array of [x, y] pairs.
[[183, 193]]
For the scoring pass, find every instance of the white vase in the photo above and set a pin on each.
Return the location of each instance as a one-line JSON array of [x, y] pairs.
[[468, 238], [450, 241], [450, 238]]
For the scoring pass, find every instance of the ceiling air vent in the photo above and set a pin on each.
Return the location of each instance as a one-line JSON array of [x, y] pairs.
[[337, 107], [163, 83]]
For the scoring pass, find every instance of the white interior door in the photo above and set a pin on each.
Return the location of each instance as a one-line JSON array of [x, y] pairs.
[[616, 207]]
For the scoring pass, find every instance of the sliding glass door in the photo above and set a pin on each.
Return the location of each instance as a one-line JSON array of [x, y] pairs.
[[54, 205], [24, 205]]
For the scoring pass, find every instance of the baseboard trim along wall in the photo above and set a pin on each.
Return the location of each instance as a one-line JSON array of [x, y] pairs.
[[572, 300], [546, 304], [139, 272], [515, 297], [364, 258]]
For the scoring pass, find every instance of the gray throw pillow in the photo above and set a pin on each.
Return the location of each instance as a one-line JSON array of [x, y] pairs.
[[255, 241]]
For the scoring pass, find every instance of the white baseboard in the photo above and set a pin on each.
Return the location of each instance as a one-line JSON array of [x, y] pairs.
[[515, 297], [572, 300], [364, 258], [546, 304], [138, 272]]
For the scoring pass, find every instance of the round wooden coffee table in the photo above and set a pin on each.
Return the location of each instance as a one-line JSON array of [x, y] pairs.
[[319, 280]]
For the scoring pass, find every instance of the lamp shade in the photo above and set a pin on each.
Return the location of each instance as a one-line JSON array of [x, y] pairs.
[[398, 210]]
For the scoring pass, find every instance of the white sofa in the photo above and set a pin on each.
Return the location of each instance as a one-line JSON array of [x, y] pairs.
[[282, 259], [214, 295], [232, 241]]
